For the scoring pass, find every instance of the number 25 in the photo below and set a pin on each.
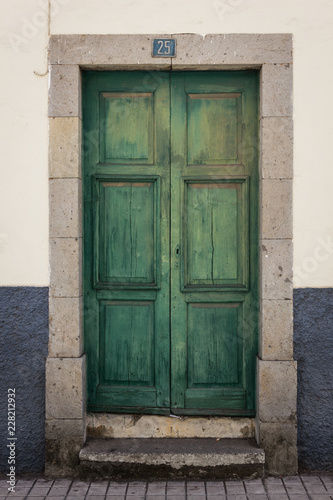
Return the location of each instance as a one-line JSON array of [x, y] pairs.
[[166, 45]]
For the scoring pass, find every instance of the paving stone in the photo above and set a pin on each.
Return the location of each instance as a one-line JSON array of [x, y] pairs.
[[176, 497], [136, 488], [136, 497], [97, 489], [215, 497], [328, 483], [156, 488], [95, 497], [115, 497], [14, 497], [117, 488], [299, 497], [257, 497], [236, 497], [310, 479], [58, 491], [254, 487], [234, 488], [278, 496], [44, 482], [63, 497], [155, 497], [63, 482], [25, 482], [39, 491], [176, 488], [315, 488], [295, 489], [320, 497], [292, 479], [215, 490], [195, 488]]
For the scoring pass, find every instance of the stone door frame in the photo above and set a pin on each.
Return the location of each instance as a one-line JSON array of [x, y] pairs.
[[276, 427]]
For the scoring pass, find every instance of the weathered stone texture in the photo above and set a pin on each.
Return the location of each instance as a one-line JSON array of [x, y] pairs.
[[106, 425], [65, 261], [276, 269], [279, 440], [65, 322], [276, 90], [276, 209], [277, 386], [65, 90], [106, 51], [65, 208], [220, 51], [276, 147], [276, 330], [65, 388], [64, 147]]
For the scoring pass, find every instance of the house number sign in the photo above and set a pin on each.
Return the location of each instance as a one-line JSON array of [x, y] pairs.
[[164, 47]]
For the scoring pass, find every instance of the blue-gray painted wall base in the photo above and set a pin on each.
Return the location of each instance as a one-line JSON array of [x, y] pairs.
[[23, 351], [313, 349]]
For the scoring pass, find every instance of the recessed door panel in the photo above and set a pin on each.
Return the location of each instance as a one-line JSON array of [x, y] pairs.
[[122, 140], [215, 358], [216, 233], [126, 239], [214, 128]]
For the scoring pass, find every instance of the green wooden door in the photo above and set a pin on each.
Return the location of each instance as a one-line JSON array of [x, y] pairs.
[[170, 241]]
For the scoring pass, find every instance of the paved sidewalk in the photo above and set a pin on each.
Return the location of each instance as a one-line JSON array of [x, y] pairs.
[[289, 488]]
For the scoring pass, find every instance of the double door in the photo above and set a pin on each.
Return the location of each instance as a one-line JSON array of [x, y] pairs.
[[170, 241]]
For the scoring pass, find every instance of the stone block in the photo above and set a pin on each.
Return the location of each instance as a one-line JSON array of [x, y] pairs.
[[66, 262], [65, 208], [65, 388], [276, 90], [276, 269], [65, 324], [276, 147], [58, 429], [65, 90], [279, 440], [107, 51], [62, 457], [277, 390], [276, 209], [64, 147], [231, 51], [276, 330], [110, 425]]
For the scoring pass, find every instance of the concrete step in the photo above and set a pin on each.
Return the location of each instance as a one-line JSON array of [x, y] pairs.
[[171, 458]]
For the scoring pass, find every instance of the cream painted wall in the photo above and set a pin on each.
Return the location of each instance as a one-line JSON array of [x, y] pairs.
[[23, 133], [23, 189]]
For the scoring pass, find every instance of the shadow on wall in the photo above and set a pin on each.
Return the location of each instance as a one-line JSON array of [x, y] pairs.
[[313, 349], [23, 351]]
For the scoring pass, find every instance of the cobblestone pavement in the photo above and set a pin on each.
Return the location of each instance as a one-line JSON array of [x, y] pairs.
[[288, 488]]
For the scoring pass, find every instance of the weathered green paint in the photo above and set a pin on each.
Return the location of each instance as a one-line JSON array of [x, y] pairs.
[[126, 240], [171, 171]]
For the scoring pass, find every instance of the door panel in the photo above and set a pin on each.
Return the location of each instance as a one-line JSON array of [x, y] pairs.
[[216, 233], [214, 262], [126, 240], [170, 241]]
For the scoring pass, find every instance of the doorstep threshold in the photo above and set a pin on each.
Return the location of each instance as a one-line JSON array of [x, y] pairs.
[[172, 458]]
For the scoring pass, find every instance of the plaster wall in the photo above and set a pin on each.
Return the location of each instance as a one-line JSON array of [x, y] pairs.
[[23, 98]]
